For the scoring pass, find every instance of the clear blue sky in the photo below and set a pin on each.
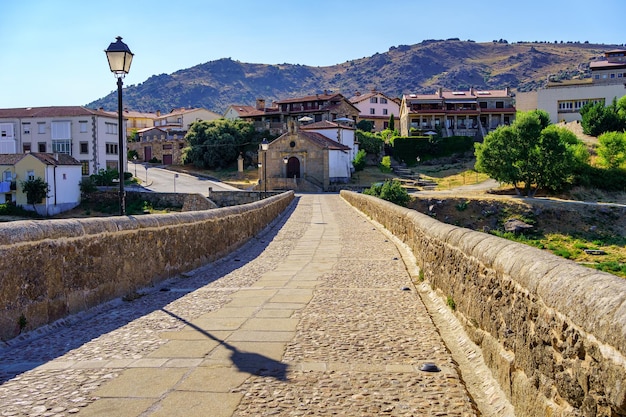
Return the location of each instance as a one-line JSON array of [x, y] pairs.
[[52, 51]]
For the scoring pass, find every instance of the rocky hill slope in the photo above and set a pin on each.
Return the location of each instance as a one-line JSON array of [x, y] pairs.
[[422, 68]]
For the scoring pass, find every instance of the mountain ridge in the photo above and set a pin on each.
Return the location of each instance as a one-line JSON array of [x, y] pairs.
[[451, 64]]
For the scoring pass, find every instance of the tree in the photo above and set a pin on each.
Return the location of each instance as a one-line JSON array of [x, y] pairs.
[[612, 149], [369, 142], [36, 189], [365, 125], [597, 119], [529, 152], [392, 123], [217, 143]]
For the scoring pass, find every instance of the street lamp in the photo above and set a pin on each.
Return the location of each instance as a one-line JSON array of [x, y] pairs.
[[120, 57], [264, 147], [135, 162]]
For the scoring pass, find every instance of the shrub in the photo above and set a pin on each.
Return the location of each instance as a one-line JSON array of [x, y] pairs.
[[359, 160], [385, 164], [104, 176], [391, 191]]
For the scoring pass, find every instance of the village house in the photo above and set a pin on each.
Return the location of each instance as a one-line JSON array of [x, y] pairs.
[[90, 136], [471, 113], [276, 119], [165, 139], [61, 172], [376, 108], [563, 99]]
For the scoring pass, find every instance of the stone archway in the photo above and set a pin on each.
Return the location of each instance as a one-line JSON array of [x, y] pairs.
[[293, 167]]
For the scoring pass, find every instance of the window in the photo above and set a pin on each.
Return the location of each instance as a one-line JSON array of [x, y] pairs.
[[84, 147], [8, 176], [373, 99], [383, 100], [30, 175], [385, 112], [111, 148], [84, 167], [26, 128], [372, 111], [83, 126], [499, 104], [41, 147], [111, 165], [41, 128], [61, 130], [111, 128], [26, 147], [62, 146]]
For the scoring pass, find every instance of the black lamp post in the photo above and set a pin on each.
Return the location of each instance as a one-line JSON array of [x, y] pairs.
[[264, 147], [120, 57]]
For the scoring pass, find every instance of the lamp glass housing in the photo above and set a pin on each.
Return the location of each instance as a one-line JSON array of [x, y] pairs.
[[119, 56]]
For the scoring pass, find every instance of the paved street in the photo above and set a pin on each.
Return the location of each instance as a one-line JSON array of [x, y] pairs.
[[317, 316], [166, 181]]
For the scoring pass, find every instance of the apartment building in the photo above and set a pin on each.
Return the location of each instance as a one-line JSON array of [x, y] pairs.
[[563, 99], [90, 136], [456, 113]]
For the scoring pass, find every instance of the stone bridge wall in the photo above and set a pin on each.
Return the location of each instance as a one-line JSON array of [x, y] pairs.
[[53, 268], [552, 332]]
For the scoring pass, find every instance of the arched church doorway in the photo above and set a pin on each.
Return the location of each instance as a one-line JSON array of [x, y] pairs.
[[293, 167]]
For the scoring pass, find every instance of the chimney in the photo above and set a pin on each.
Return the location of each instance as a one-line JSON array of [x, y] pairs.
[[358, 93], [260, 104], [158, 113], [325, 92], [471, 90], [440, 92], [507, 91]]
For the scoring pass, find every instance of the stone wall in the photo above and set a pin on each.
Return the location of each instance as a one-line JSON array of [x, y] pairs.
[[53, 268], [184, 201], [235, 198], [553, 332]]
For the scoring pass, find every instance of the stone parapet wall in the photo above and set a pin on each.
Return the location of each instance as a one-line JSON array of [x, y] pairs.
[[184, 201], [235, 198], [53, 268], [553, 332]]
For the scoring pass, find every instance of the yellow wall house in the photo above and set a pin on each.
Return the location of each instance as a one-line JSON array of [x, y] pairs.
[[61, 172]]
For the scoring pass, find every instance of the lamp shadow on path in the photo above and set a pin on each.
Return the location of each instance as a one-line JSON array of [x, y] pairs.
[[248, 362], [19, 356]]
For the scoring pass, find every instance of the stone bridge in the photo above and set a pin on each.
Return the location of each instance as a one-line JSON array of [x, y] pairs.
[[318, 304]]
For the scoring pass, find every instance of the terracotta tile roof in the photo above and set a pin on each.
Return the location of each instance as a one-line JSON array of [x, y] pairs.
[[245, 110], [10, 158], [323, 141], [46, 158], [324, 124], [367, 96], [61, 158], [310, 98], [55, 111], [460, 95]]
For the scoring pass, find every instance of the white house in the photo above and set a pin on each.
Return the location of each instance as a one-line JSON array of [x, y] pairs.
[[181, 119], [377, 108], [61, 172], [90, 136]]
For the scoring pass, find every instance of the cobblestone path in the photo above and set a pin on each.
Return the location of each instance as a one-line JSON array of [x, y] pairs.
[[316, 317]]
